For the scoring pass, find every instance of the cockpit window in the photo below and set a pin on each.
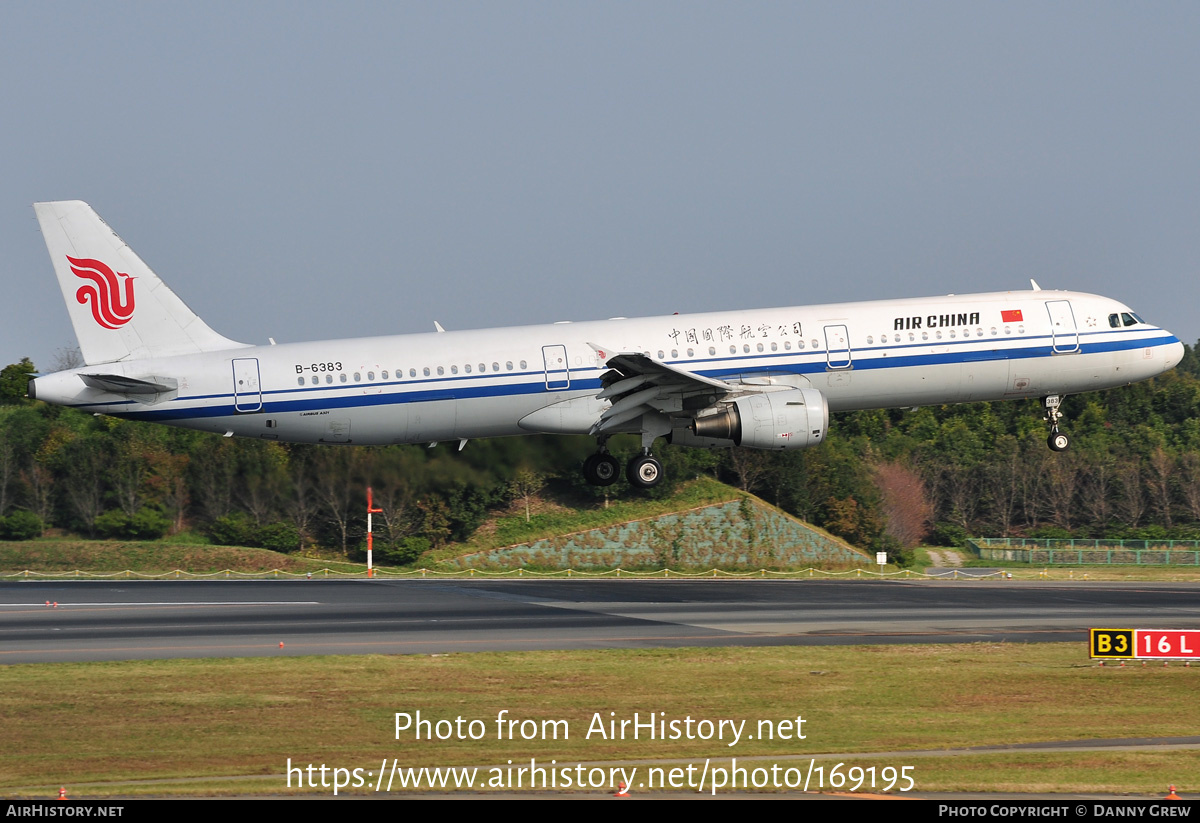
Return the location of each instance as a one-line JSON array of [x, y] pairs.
[[1114, 321], [1128, 318]]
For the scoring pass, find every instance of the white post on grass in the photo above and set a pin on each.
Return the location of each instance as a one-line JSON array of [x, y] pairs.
[[370, 511]]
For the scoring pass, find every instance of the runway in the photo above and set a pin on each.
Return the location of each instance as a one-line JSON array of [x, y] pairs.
[[150, 620]]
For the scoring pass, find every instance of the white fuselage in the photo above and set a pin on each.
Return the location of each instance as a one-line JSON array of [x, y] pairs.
[[494, 382]]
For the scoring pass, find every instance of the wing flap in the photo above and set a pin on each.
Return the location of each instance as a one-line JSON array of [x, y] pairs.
[[638, 385]]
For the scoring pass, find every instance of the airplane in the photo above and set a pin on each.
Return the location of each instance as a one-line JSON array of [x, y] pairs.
[[762, 379]]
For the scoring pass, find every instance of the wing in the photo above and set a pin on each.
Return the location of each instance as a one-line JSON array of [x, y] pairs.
[[638, 385]]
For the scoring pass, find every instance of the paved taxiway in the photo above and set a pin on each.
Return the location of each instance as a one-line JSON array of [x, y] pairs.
[[144, 620]]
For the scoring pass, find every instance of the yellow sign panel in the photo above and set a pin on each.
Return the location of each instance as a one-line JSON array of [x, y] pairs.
[[1113, 643]]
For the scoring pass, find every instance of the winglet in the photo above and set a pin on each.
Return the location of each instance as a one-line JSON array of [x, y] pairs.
[[1033, 283], [602, 352]]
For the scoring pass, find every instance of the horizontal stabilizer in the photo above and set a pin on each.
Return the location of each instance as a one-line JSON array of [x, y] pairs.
[[148, 389], [119, 384]]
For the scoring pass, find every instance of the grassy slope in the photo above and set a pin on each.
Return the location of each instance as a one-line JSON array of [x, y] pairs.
[[67, 555], [107, 556], [511, 528]]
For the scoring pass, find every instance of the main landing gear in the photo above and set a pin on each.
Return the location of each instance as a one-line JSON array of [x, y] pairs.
[[1057, 441], [601, 469], [642, 472]]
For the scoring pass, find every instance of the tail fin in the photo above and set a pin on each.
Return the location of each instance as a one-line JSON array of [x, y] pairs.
[[118, 306]]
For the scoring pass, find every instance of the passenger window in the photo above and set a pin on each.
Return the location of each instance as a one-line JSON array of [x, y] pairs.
[[342, 377], [482, 368], [787, 344], [508, 365], [441, 371], [467, 368], [524, 365], [495, 367], [300, 381], [760, 346], [733, 349], [674, 354], [413, 372], [329, 378], [454, 369], [426, 370], [712, 351]]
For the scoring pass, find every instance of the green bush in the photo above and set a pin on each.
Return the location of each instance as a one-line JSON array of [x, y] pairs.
[[1050, 533], [278, 537], [232, 530], [403, 551], [146, 524], [21, 525], [948, 534]]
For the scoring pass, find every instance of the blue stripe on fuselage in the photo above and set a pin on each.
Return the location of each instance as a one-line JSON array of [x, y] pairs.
[[817, 363]]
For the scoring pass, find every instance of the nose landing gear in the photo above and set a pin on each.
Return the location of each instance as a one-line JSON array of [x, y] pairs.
[[1057, 441]]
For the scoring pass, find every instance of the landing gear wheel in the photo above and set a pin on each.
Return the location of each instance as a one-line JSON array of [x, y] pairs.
[[1057, 441], [644, 472], [601, 469]]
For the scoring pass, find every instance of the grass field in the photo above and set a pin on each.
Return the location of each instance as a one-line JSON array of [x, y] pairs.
[[105, 728]]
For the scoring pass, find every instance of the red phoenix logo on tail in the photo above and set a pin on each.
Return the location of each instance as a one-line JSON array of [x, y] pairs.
[[110, 308]]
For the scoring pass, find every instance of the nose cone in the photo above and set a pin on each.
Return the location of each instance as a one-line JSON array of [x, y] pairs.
[[1172, 354]]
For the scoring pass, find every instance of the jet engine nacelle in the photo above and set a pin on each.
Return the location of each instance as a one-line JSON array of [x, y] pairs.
[[789, 419]]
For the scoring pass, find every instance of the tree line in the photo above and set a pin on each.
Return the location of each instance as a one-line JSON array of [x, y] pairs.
[[884, 479]]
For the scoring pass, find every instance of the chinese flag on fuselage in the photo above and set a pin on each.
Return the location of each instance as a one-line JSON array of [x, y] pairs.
[[1011, 316]]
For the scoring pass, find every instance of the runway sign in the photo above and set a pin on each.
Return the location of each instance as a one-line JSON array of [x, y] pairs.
[[1146, 644]]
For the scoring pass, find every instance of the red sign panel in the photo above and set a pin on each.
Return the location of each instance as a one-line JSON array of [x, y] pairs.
[[1167, 643]]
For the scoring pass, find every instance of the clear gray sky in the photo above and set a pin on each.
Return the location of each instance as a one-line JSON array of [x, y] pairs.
[[309, 171]]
